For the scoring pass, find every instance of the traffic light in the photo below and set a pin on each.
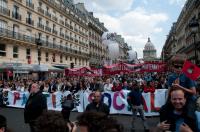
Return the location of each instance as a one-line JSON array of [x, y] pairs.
[[72, 65]]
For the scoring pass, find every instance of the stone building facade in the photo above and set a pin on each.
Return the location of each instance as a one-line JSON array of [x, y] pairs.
[[182, 39], [48, 32]]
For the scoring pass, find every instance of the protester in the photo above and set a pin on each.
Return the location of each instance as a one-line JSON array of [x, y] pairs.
[[116, 86], [134, 99], [125, 86], [67, 105], [97, 105], [108, 85], [180, 80], [149, 87], [98, 122], [52, 121], [35, 106], [173, 115]]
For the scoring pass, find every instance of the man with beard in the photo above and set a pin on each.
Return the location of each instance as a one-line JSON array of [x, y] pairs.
[[173, 115], [35, 106]]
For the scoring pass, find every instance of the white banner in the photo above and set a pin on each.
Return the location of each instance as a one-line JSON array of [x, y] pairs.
[[115, 100]]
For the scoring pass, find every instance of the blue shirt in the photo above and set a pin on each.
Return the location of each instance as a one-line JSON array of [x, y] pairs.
[[136, 97], [183, 80], [179, 122]]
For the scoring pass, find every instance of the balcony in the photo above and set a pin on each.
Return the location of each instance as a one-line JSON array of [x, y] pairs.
[[16, 35], [19, 1], [4, 11], [62, 35], [30, 5], [47, 29], [71, 39], [67, 37], [29, 21], [48, 14], [67, 25], [54, 18], [40, 10], [75, 29], [76, 40], [55, 32], [62, 22], [16, 15], [41, 26]]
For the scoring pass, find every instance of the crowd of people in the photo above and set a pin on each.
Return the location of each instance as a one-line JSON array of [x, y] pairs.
[[148, 82], [177, 114]]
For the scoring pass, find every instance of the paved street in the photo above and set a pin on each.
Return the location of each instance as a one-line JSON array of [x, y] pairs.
[[16, 121]]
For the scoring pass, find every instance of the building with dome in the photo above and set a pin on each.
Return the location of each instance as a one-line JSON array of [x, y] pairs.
[[149, 52]]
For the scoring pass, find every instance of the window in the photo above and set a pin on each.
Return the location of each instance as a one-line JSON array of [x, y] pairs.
[[28, 53], [39, 36], [75, 61], [47, 56], [54, 57], [80, 62], [29, 1], [47, 9], [40, 4], [61, 59], [29, 15], [54, 41], [15, 31], [15, 9], [47, 23], [2, 50], [70, 58], [66, 58], [40, 20], [3, 4], [29, 18], [47, 40], [54, 27], [15, 51], [3, 24]]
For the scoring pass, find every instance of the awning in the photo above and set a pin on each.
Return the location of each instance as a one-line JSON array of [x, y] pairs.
[[60, 66], [54, 69], [42, 68], [23, 67], [8, 66]]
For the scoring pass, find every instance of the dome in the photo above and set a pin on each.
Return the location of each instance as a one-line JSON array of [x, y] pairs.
[[149, 45]]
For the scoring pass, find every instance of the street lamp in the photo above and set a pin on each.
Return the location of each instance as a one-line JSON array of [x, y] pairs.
[[39, 43], [194, 26]]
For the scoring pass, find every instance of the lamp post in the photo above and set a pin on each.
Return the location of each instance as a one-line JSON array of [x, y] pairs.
[[39, 43], [194, 26]]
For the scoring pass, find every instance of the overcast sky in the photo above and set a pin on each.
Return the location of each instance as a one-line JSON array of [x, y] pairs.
[[136, 20]]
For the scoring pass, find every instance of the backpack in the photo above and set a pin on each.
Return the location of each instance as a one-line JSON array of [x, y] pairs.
[[67, 104]]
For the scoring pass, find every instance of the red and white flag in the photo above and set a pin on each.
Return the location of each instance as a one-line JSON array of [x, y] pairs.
[[191, 70]]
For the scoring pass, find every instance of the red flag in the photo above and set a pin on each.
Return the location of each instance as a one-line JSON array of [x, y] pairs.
[[191, 70]]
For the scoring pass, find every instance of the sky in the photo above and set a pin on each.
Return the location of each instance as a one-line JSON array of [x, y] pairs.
[[136, 20]]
